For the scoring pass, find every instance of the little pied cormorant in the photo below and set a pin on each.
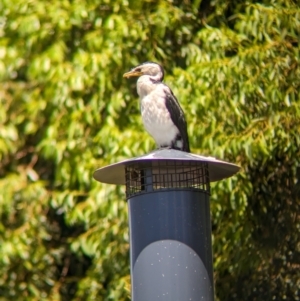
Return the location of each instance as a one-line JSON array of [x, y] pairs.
[[162, 115]]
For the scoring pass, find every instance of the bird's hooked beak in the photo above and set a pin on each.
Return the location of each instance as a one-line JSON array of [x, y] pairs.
[[133, 73]]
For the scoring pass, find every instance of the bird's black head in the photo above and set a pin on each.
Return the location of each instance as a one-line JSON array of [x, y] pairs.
[[154, 70]]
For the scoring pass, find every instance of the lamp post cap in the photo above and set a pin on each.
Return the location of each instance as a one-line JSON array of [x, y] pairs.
[[115, 173]]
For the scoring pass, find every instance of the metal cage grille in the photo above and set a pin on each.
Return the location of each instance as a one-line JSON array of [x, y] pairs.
[[145, 177]]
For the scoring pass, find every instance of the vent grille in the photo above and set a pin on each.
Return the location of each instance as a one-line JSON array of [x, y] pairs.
[[146, 177]]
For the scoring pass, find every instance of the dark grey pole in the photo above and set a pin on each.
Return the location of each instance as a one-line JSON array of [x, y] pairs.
[[169, 220]]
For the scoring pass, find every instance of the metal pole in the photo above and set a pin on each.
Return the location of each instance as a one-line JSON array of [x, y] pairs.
[[170, 231], [170, 246], [169, 220]]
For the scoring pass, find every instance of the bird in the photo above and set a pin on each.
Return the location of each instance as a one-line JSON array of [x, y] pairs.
[[162, 116]]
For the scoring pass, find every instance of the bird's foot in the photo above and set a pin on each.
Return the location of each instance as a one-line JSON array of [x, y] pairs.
[[164, 147]]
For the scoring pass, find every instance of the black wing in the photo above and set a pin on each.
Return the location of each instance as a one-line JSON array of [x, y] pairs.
[[177, 117]]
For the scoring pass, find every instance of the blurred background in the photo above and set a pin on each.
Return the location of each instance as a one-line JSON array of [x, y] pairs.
[[65, 110]]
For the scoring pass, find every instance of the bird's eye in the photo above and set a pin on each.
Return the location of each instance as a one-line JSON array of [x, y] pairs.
[[138, 69]]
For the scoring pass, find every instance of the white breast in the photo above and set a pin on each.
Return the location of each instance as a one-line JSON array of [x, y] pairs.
[[156, 117]]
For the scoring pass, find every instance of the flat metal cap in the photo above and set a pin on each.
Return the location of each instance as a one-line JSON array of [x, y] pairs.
[[115, 173]]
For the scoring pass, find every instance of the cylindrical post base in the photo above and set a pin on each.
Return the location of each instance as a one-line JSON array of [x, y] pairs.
[[170, 241]]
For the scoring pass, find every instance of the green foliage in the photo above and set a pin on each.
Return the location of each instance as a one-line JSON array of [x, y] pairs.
[[65, 110]]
